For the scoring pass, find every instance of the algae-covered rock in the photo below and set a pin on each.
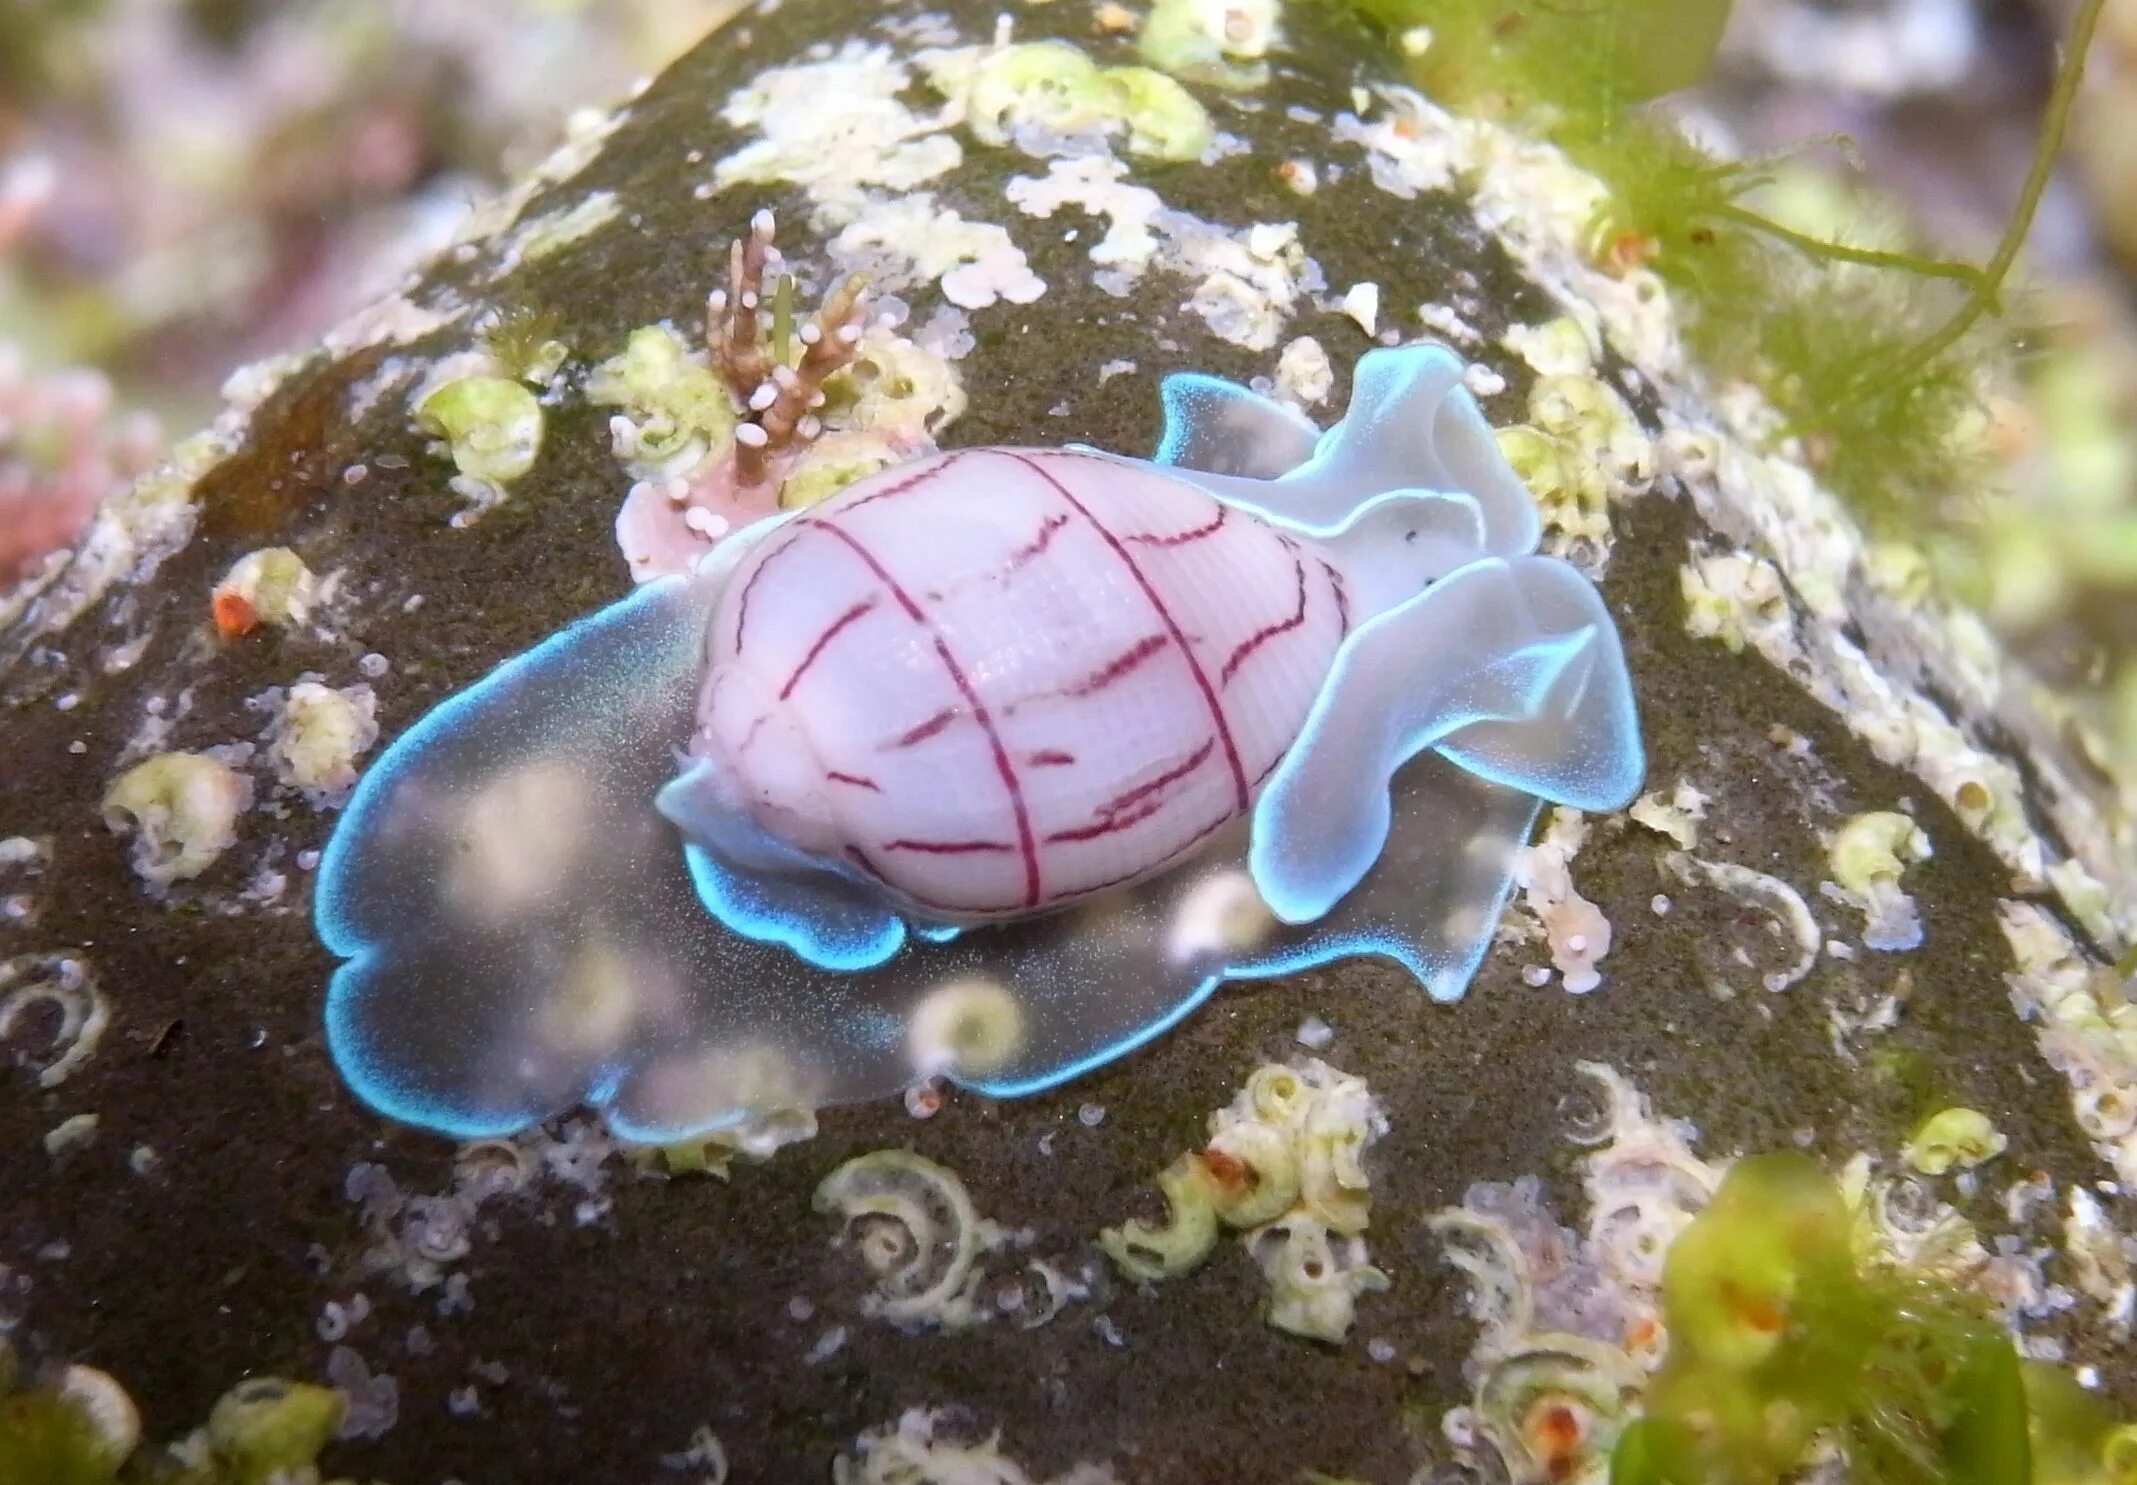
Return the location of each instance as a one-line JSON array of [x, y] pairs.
[[540, 1307]]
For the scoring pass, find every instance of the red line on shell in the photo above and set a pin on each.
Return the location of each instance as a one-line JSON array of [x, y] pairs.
[[1121, 665], [854, 779], [1048, 529], [946, 847], [1050, 758], [914, 736], [1194, 666], [1335, 586], [1182, 849], [1170, 776], [1133, 806], [1268, 632], [897, 487], [1112, 825], [859, 858], [852, 615], [963, 682], [814, 521], [1181, 538], [749, 587]]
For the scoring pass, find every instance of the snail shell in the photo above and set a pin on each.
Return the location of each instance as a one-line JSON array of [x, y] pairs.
[[1000, 680]]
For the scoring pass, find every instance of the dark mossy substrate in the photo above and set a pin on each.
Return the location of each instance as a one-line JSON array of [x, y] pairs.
[[623, 1336]]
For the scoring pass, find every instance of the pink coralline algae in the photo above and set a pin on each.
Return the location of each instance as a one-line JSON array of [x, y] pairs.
[[64, 449]]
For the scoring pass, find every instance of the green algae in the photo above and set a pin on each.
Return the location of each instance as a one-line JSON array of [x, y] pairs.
[[81, 1428], [679, 405], [1055, 84], [1780, 1337], [492, 425], [1871, 355]]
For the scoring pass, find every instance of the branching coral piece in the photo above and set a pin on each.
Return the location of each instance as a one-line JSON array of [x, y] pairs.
[[731, 313], [781, 399]]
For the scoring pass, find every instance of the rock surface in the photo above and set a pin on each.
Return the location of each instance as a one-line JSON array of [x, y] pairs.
[[602, 1318]]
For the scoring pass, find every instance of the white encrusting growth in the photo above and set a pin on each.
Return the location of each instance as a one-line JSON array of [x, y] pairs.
[[922, 1448], [1578, 933], [182, 810], [317, 735]]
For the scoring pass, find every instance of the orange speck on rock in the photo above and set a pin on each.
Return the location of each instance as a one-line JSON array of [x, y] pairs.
[[234, 614]]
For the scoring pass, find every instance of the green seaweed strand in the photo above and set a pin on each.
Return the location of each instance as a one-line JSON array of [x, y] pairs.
[[1976, 279], [783, 320], [2055, 124]]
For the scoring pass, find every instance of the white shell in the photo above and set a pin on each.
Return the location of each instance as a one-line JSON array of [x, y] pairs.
[[1000, 679]]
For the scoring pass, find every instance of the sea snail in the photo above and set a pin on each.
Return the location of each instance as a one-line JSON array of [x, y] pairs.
[[993, 765]]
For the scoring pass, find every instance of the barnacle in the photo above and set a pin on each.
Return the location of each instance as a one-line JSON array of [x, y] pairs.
[[271, 586], [1735, 597], [2088, 1025], [918, 1234], [1954, 1139], [182, 809], [1875, 846], [1580, 448]]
